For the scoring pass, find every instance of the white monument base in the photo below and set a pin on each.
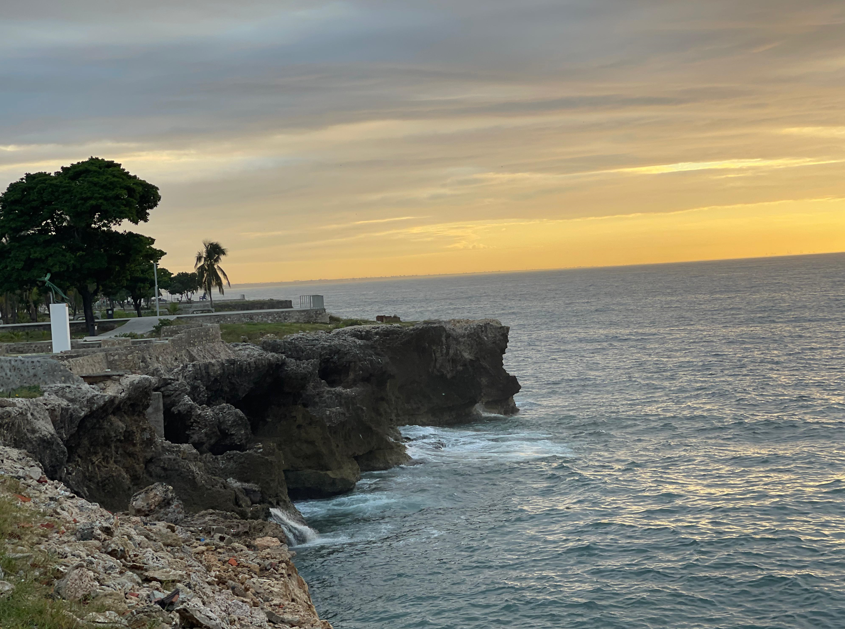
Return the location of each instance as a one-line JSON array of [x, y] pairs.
[[60, 327]]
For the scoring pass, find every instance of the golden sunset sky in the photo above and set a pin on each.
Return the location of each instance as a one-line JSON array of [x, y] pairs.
[[371, 138]]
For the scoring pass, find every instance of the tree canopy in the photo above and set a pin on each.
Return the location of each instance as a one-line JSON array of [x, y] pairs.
[[65, 223], [184, 284]]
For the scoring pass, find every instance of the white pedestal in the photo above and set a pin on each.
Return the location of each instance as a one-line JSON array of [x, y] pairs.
[[60, 327]]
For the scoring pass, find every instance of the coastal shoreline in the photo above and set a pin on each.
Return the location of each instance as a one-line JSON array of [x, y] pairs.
[[247, 428]]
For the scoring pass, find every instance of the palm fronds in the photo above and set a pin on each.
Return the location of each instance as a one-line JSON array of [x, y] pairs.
[[209, 272]]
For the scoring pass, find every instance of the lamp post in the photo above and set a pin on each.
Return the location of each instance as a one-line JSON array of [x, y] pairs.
[[155, 273]]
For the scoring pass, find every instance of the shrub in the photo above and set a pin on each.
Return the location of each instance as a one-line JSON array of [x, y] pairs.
[[129, 335], [162, 323]]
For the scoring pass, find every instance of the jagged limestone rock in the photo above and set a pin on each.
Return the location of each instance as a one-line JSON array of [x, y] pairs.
[[26, 424], [77, 584], [249, 428], [6, 589], [154, 553], [158, 502]]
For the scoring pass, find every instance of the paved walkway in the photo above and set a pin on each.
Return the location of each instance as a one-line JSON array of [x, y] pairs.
[[140, 325]]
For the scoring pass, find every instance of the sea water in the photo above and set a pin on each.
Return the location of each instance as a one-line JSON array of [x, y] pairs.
[[678, 459]]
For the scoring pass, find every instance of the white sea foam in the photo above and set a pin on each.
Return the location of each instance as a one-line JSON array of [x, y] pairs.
[[296, 532], [428, 444], [355, 505]]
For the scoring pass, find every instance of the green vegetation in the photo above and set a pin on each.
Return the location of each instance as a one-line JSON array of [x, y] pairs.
[[254, 332], [32, 603], [209, 273], [66, 223], [23, 392], [25, 336], [162, 323], [184, 284], [129, 335], [35, 336]]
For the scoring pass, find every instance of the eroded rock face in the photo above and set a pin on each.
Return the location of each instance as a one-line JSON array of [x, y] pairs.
[[215, 429], [158, 502], [100, 443], [129, 560], [299, 417], [330, 404], [26, 424], [354, 387]]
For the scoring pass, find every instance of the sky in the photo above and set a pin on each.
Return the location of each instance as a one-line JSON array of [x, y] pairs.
[[320, 140]]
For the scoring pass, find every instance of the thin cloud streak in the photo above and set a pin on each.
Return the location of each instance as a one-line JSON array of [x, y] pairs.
[[291, 119]]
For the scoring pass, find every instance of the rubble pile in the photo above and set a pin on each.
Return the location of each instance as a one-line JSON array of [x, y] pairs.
[[155, 567]]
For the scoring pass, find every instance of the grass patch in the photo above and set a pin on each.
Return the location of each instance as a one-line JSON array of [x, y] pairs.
[[23, 392], [33, 336], [31, 604], [24, 336]]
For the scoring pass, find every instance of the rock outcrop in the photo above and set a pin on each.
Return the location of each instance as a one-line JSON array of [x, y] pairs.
[[330, 404], [250, 428], [99, 442], [221, 572]]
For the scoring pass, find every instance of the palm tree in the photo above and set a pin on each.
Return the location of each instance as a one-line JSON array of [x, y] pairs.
[[208, 268]]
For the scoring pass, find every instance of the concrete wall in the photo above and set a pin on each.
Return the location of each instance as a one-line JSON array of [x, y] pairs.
[[43, 347], [27, 371], [194, 337], [191, 345], [252, 304], [262, 316]]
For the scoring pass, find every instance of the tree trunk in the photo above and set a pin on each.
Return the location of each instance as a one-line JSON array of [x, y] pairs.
[[33, 313], [136, 303], [88, 309]]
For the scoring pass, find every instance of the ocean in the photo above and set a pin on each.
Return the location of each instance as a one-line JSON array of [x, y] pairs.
[[678, 459]]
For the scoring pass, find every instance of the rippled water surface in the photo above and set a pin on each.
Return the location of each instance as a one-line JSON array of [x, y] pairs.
[[678, 460]]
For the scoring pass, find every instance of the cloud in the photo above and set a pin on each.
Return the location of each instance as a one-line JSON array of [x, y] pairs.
[[289, 117]]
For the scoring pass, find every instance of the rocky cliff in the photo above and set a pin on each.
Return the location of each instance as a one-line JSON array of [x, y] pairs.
[[71, 563], [298, 417]]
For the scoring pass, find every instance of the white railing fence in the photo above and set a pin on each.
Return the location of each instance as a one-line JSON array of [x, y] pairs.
[[311, 302]]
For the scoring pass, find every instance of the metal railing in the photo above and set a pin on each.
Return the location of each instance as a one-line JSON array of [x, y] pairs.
[[311, 302]]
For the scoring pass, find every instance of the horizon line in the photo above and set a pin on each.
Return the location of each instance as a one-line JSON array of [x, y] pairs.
[[540, 270]]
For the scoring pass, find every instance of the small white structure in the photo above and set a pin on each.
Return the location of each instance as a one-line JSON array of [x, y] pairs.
[[60, 327], [311, 302]]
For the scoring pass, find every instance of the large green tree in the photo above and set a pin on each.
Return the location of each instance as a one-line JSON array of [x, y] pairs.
[[184, 284], [138, 278], [209, 272], [66, 223]]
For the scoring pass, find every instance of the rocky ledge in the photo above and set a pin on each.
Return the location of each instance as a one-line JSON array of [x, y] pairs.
[[249, 428], [198, 450], [157, 569]]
